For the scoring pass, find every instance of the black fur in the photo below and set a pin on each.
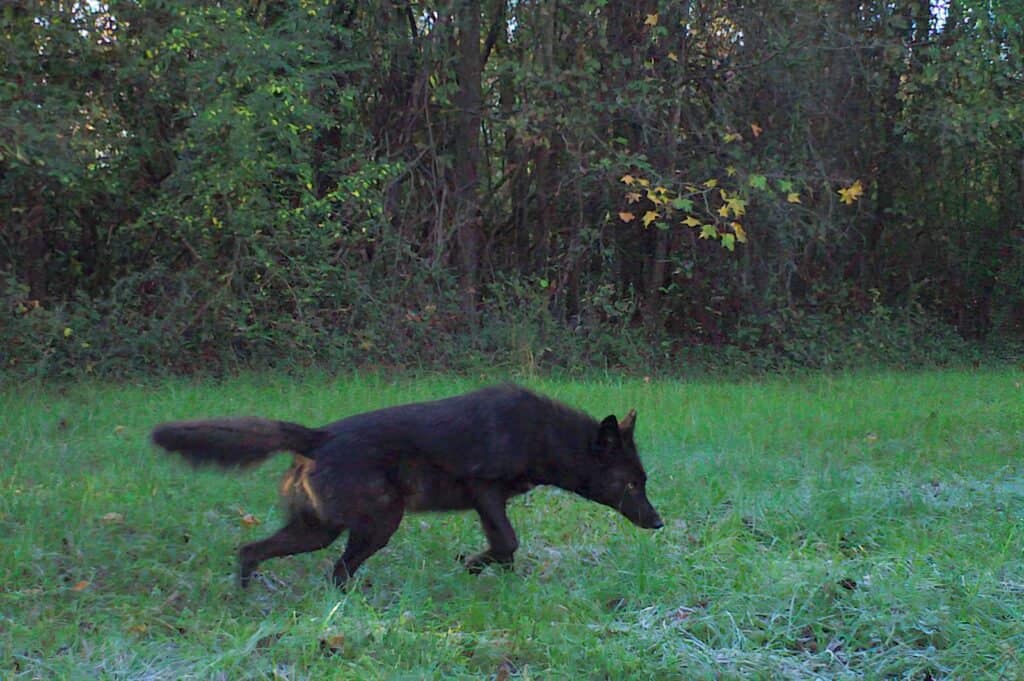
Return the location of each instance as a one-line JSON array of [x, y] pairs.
[[474, 451], [235, 442]]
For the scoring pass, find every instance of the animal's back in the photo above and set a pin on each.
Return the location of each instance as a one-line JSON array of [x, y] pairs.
[[487, 433]]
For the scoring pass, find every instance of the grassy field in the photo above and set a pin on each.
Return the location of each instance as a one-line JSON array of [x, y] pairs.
[[866, 526]]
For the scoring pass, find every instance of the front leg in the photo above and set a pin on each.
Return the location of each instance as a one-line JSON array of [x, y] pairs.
[[501, 538]]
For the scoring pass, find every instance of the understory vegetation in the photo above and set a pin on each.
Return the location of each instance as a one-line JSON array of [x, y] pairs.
[[653, 184]]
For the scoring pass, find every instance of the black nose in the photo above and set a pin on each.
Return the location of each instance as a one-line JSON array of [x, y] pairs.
[[656, 524]]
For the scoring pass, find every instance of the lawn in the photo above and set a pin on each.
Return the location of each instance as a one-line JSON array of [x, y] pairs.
[[861, 526]]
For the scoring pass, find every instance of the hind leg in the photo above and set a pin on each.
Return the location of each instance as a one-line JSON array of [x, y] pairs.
[[366, 537], [301, 534]]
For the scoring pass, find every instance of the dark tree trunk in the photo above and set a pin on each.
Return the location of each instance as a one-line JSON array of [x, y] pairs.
[[468, 222]]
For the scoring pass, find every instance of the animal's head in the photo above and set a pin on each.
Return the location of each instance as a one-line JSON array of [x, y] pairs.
[[617, 478]]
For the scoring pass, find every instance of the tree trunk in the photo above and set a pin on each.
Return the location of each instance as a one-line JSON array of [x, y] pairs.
[[468, 222]]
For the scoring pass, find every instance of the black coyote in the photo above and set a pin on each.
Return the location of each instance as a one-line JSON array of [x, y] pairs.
[[474, 451]]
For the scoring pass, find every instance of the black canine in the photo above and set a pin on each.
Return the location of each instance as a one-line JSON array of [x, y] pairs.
[[475, 451]]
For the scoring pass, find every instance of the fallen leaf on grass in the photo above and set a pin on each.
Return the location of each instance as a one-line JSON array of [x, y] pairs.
[[683, 612], [269, 640], [333, 644], [614, 603], [806, 641], [505, 671], [81, 586], [112, 517], [249, 520]]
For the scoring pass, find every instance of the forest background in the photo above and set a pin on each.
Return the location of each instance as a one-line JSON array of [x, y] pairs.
[[645, 184]]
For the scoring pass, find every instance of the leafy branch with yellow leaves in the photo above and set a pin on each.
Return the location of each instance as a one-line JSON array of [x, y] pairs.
[[715, 214]]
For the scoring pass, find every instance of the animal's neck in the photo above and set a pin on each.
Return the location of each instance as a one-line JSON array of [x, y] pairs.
[[563, 463]]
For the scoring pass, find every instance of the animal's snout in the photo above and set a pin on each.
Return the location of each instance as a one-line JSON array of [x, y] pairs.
[[648, 518]]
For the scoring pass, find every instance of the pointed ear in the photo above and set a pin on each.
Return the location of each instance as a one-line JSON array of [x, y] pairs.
[[608, 435], [627, 424]]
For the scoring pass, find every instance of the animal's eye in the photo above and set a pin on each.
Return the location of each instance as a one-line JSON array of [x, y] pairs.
[[630, 486]]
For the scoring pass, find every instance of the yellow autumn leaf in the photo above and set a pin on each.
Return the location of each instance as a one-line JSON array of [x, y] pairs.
[[67, 332], [649, 217], [627, 179], [756, 129], [626, 216], [654, 197], [741, 234], [723, 210], [730, 137], [850, 194], [633, 197], [730, 171], [643, 183], [711, 184], [793, 197], [673, 56], [737, 205], [691, 221], [651, 20]]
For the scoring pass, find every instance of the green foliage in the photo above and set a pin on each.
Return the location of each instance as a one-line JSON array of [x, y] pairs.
[[203, 187]]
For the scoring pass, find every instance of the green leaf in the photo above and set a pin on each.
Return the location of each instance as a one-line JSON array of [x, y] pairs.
[[758, 182], [679, 203]]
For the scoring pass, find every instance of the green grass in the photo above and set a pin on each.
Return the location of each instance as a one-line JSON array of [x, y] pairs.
[[866, 526]]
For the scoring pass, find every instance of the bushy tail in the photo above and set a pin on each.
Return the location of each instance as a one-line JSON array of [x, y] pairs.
[[235, 442]]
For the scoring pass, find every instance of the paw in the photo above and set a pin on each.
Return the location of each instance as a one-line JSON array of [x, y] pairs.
[[244, 576], [340, 578], [246, 566], [476, 563]]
